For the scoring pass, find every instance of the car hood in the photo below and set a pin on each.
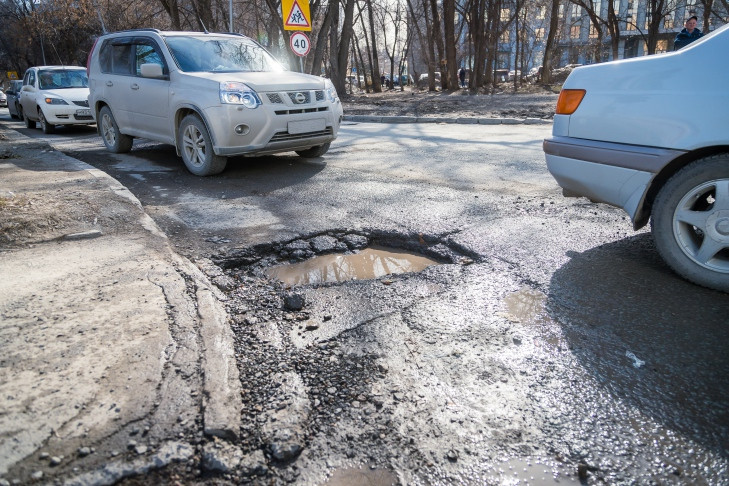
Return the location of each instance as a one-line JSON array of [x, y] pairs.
[[73, 94], [269, 81]]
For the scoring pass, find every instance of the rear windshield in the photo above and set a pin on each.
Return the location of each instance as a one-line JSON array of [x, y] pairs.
[[206, 53], [61, 78]]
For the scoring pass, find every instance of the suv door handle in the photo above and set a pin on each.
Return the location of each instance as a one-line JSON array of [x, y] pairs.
[[109, 83], [135, 86]]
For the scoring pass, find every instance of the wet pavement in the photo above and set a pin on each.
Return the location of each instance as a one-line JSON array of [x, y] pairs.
[[549, 345]]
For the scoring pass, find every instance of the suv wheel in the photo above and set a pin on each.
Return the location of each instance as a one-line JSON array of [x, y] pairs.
[[28, 122], [312, 152], [114, 140], [45, 126], [197, 148], [690, 222]]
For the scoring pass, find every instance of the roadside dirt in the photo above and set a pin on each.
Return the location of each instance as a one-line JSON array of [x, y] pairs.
[[531, 101]]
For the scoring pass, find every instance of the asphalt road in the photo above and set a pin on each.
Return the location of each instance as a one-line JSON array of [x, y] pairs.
[[553, 338]]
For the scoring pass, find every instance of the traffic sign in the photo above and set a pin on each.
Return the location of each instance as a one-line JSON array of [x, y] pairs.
[[13, 75], [296, 14], [300, 44]]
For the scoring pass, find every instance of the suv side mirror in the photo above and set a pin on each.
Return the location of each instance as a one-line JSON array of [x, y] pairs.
[[151, 70]]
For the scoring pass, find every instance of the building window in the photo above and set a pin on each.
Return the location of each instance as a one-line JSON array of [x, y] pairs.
[[630, 17], [505, 14], [539, 33], [575, 32], [593, 31], [504, 39], [668, 23], [575, 11], [542, 13], [662, 46]]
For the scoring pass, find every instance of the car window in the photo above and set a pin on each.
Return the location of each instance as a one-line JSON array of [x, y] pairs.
[[62, 79], [147, 54], [29, 78], [221, 54]]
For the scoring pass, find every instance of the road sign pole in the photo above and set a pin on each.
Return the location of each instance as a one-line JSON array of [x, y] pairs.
[[301, 64]]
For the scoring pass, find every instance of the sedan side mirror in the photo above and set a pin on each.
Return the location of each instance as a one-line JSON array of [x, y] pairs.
[[151, 70]]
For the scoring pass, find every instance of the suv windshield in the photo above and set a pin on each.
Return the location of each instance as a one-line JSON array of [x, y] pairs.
[[207, 53], [60, 78]]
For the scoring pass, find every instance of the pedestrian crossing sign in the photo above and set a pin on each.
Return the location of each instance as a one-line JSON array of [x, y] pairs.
[[296, 14]]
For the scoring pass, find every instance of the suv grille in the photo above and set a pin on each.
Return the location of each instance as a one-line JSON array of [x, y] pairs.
[[304, 97], [285, 136], [274, 98]]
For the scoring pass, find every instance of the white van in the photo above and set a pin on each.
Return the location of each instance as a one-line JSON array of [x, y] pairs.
[[651, 135]]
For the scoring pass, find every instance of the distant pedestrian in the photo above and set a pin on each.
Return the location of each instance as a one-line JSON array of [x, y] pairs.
[[688, 35], [462, 77]]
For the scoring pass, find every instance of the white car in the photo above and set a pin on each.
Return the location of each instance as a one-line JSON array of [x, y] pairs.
[[212, 96], [651, 135], [55, 95]]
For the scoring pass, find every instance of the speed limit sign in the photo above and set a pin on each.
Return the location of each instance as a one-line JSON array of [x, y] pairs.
[[300, 44]]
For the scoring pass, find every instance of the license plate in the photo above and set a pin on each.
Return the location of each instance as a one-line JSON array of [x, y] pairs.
[[305, 126], [83, 112]]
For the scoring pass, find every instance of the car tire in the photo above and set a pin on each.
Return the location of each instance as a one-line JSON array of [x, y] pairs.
[[196, 148], [15, 116], [114, 140], [690, 222], [312, 152], [47, 128], [28, 122]]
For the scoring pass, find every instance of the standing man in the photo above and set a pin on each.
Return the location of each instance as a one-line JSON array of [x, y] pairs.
[[687, 35], [462, 77]]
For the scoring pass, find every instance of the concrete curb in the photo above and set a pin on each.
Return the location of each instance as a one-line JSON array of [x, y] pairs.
[[460, 121]]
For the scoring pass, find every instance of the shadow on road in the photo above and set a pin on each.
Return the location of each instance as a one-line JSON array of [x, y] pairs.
[[620, 298]]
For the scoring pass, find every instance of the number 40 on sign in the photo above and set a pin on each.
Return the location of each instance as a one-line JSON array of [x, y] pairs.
[[300, 44]]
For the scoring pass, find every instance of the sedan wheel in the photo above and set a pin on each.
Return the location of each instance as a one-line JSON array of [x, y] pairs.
[[45, 126], [28, 122], [690, 222]]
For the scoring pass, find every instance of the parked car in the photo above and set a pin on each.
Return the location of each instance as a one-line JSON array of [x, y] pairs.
[[3, 99], [638, 135], [423, 80], [13, 95], [55, 95], [212, 96]]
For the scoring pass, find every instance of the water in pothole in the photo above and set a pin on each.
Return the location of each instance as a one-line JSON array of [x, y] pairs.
[[370, 263]]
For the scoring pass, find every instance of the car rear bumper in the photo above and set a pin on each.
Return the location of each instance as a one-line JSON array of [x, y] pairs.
[[612, 173]]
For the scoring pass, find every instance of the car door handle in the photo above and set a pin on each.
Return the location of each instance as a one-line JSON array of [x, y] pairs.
[[109, 83], [135, 86]]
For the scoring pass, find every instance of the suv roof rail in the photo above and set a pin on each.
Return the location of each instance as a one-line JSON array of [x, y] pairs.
[[137, 30]]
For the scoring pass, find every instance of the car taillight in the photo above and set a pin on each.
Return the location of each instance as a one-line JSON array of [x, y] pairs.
[[569, 100]]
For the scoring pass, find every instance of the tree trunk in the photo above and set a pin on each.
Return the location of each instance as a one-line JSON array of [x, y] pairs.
[[549, 45], [376, 84], [449, 22]]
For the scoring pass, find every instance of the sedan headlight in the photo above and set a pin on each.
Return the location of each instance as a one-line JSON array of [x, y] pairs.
[[331, 91], [55, 101], [234, 93]]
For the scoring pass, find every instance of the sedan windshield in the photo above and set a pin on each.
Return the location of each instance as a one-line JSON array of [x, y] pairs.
[[61, 78], [220, 54]]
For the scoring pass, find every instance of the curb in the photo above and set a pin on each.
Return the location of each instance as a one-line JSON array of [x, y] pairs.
[[460, 121]]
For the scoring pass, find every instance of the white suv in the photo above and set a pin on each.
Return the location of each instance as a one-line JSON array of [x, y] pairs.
[[651, 135], [209, 95], [55, 95]]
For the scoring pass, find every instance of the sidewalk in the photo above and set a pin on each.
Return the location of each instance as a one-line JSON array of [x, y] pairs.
[[116, 357]]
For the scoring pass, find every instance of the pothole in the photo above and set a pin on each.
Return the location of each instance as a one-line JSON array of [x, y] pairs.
[[367, 264]]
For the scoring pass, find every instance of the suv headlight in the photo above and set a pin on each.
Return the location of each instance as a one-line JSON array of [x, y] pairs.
[[55, 101], [233, 93], [331, 91]]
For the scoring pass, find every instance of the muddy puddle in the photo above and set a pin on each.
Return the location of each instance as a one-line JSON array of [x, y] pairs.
[[370, 263], [362, 477]]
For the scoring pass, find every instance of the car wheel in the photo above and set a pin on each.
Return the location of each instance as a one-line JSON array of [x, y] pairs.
[[114, 140], [45, 126], [690, 222], [28, 122], [197, 148], [15, 115], [312, 152]]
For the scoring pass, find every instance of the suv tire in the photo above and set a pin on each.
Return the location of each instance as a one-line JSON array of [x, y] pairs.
[[312, 152], [114, 140], [690, 222], [45, 126], [196, 148]]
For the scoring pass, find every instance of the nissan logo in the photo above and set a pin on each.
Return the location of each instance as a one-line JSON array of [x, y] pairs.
[[299, 98]]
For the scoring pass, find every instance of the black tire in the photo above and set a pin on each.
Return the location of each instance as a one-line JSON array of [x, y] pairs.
[[15, 116], [690, 222], [47, 128], [114, 140], [312, 152], [196, 148], [28, 122]]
